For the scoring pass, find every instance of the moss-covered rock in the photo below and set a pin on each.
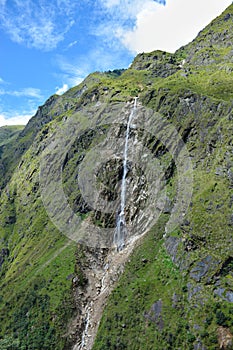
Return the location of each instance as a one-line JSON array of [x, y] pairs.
[[176, 288]]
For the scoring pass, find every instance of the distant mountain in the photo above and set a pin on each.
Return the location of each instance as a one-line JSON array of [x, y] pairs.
[[64, 285], [7, 133]]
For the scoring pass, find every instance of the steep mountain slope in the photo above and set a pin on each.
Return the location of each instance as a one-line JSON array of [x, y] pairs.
[[173, 287], [156, 305], [7, 133], [8, 137]]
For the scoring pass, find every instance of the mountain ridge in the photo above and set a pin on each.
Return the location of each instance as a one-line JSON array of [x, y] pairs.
[[176, 290]]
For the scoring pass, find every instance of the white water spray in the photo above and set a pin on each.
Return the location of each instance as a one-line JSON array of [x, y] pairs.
[[85, 332], [121, 229]]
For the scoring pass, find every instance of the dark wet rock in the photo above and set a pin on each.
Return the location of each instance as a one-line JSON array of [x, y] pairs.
[[227, 17], [155, 314], [167, 206], [195, 293], [226, 268], [204, 267], [196, 327], [219, 171], [224, 294], [175, 300], [144, 261], [229, 296], [70, 276], [4, 253], [219, 291], [172, 244], [231, 220], [199, 346]]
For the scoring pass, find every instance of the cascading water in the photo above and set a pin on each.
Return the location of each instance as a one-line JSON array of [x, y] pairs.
[[121, 229], [85, 332]]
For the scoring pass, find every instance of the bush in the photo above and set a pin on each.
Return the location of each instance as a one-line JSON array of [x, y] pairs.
[[221, 318]]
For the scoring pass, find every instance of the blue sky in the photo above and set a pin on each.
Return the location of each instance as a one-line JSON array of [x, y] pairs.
[[48, 46]]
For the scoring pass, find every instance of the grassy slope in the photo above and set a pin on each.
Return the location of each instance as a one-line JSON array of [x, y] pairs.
[[36, 276], [37, 319], [8, 133], [149, 277], [198, 312]]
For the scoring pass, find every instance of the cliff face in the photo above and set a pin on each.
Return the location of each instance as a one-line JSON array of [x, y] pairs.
[[171, 287]]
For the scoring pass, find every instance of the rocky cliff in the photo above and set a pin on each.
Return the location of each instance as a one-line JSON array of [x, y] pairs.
[[64, 285]]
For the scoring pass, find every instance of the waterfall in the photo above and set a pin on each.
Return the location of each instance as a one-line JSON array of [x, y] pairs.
[[85, 332], [121, 229]]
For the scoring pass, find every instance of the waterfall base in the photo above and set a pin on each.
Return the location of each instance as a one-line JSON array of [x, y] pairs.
[[121, 232]]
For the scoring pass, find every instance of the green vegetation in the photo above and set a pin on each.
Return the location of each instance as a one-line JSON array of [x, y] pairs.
[[36, 271], [176, 290], [8, 133], [146, 310]]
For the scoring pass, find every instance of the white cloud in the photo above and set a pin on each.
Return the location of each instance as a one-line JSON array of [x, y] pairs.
[[72, 73], [17, 119], [169, 27], [40, 24], [26, 92], [111, 3], [28, 97], [99, 59], [73, 43], [62, 90], [126, 9]]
